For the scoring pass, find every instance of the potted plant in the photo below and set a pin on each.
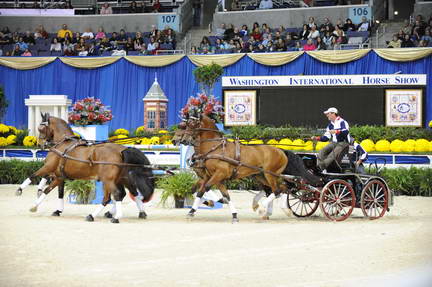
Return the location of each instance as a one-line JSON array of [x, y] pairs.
[[80, 191], [3, 103], [207, 76], [178, 187]]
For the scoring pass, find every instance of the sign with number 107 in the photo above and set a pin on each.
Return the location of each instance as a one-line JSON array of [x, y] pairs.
[[171, 20], [356, 14]]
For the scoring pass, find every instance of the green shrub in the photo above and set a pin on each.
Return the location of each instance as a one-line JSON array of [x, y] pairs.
[[176, 186], [413, 181], [82, 190], [16, 171]]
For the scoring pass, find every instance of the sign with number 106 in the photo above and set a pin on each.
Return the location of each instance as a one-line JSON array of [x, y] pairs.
[[356, 14]]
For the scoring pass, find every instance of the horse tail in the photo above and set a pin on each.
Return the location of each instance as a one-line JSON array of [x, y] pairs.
[[140, 176], [296, 167]]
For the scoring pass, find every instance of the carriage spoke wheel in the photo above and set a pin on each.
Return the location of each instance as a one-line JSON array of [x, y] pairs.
[[374, 199], [303, 203], [337, 200]]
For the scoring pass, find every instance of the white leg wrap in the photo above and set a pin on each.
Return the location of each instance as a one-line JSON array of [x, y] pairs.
[[113, 208], [259, 196], [270, 208], [211, 195], [269, 199], [25, 183], [119, 212], [232, 207], [40, 199], [196, 203], [139, 203], [98, 210], [60, 204], [283, 203], [42, 184]]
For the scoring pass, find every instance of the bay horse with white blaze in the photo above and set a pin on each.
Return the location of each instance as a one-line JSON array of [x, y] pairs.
[[221, 160], [115, 165]]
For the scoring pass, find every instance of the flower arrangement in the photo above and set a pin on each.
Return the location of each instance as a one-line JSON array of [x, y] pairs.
[[89, 111], [121, 132], [203, 105], [30, 141]]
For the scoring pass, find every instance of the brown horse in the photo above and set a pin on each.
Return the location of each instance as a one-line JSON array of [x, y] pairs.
[[218, 160], [114, 165]]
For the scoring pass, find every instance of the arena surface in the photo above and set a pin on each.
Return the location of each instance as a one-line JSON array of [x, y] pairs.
[[37, 249]]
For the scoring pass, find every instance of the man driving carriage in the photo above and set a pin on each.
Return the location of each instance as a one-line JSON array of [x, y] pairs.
[[338, 133]]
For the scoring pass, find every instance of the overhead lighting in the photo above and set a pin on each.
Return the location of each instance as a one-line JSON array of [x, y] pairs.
[[377, 21], [396, 12]]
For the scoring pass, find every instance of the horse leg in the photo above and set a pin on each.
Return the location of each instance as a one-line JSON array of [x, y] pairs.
[[107, 198], [138, 198], [41, 198], [198, 199], [266, 205], [60, 199], [43, 171], [41, 185], [233, 210]]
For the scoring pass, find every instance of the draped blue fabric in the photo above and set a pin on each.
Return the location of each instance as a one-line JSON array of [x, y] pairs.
[[123, 85]]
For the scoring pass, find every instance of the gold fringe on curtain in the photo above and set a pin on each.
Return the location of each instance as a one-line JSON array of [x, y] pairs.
[[275, 59], [403, 54], [154, 61], [25, 63], [224, 59], [89, 63], [338, 56]]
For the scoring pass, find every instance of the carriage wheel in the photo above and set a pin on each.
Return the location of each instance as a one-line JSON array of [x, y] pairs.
[[374, 199], [337, 200], [303, 203]]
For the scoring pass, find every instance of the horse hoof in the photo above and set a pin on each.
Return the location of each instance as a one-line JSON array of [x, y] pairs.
[[56, 213], [235, 220], [115, 220], [90, 218], [39, 193], [142, 215], [18, 192], [189, 216], [266, 217], [108, 214], [255, 206], [33, 209]]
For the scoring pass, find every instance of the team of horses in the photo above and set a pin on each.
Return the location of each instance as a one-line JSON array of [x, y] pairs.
[[215, 161]]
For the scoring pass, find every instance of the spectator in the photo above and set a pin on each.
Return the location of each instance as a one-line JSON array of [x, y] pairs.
[[348, 26], [289, 42], [22, 44], [238, 47], [76, 38], [61, 33], [139, 44], [15, 37], [320, 45], [160, 37], [68, 38], [255, 25], [364, 25], [407, 42], [394, 43], [122, 39], [68, 5], [205, 43], [419, 25], [235, 5], [311, 22], [88, 34], [81, 49], [113, 40], [194, 50], [4, 39], [427, 36], [309, 46], [229, 33], [313, 33], [305, 33], [16, 51], [156, 7], [280, 45], [244, 30], [282, 31], [401, 35], [326, 26], [67, 45], [133, 8], [334, 45], [40, 33], [170, 38], [100, 34], [28, 38], [266, 4], [415, 37], [423, 43], [26, 53], [339, 24], [6, 31], [129, 45], [256, 34], [298, 47], [221, 31], [105, 45], [407, 28], [260, 48], [153, 31], [338, 32], [270, 47], [328, 40], [106, 9], [151, 47], [55, 45]]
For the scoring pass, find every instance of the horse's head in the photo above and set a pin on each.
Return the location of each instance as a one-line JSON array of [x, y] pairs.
[[46, 132], [190, 130]]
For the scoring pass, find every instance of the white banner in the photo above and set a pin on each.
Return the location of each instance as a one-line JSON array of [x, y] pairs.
[[37, 12], [326, 80]]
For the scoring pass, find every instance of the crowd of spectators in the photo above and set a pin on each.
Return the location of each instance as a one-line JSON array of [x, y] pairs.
[[238, 5], [261, 38], [417, 34], [68, 43]]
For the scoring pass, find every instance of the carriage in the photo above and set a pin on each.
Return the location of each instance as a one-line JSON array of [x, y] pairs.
[[343, 190]]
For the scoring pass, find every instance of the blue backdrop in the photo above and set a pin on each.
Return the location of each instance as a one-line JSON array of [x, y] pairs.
[[123, 85]]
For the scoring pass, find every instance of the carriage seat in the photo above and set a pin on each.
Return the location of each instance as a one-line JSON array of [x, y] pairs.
[[342, 162]]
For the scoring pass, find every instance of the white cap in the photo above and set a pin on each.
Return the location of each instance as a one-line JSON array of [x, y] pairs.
[[331, 110]]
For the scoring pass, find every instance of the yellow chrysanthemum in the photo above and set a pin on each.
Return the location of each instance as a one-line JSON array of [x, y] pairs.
[[121, 132], [308, 145], [255, 141], [126, 141], [368, 145], [321, 145], [396, 145], [3, 141], [408, 145], [272, 142], [430, 146], [154, 140], [139, 129], [4, 129], [13, 129], [11, 139], [168, 142], [382, 145], [19, 132], [29, 141], [145, 141], [421, 145], [163, 132], [285, 144], [298, 144], [430, 124]]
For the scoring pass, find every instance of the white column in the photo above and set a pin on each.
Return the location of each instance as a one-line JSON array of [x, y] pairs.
[[56, 111], [30, 121], [37, 120], [63, 113]]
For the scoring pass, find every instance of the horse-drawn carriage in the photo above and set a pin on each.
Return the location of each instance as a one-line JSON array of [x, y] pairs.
[[343, 190]]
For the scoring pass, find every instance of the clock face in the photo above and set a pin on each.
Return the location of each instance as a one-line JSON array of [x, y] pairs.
[[403, 108], [239, 108]]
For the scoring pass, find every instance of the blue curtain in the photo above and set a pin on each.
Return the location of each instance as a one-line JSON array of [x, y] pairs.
[[123, 85]]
